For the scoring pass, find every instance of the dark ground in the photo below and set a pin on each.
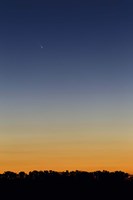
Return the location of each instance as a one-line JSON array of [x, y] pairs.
[[49, 185]]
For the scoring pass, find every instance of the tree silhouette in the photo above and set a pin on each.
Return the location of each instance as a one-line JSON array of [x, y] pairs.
[[66, 185]]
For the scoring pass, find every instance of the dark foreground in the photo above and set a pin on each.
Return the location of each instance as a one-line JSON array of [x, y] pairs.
[[49, 185]]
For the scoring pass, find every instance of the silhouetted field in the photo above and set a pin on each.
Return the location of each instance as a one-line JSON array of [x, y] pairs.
[[73, 185]]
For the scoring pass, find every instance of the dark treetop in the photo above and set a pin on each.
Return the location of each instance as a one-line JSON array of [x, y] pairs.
[[66, 185]]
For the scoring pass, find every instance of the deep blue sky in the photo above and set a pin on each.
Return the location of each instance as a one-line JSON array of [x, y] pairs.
[[87, 44], [79, 83]]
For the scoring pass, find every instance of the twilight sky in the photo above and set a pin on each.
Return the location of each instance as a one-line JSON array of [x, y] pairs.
[[66, 86]]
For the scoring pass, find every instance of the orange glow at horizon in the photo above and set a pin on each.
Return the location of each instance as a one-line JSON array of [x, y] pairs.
[[66, 148]]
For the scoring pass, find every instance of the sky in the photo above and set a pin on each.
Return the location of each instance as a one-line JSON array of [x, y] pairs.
[[66, 86]]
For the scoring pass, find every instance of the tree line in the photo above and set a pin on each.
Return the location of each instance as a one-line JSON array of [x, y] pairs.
[[66, 185]]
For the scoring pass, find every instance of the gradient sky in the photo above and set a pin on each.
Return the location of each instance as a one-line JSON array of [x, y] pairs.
[[66, 85]]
